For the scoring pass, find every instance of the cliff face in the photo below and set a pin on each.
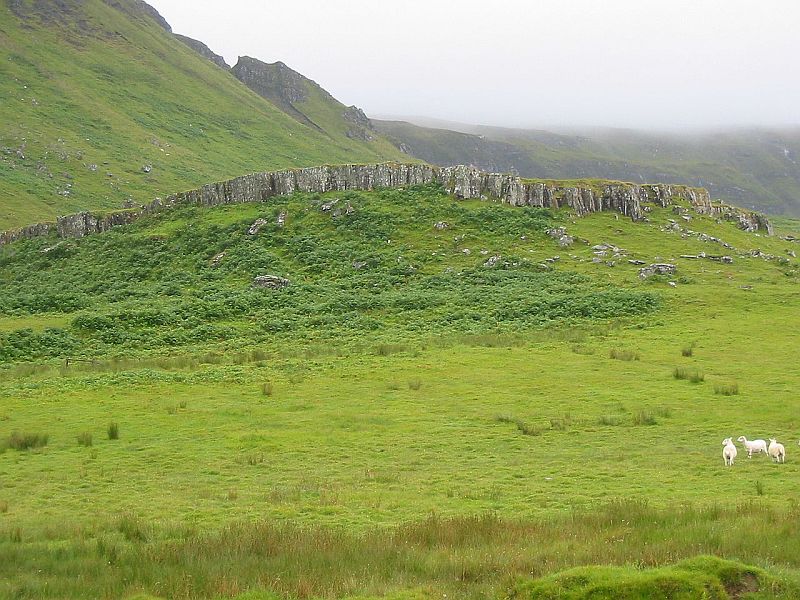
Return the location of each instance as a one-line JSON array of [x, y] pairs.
[[204, 51], [463, 182], [276, 83]]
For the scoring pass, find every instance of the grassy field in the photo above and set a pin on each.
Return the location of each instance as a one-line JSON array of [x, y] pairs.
[[402, 421], [100, 106]]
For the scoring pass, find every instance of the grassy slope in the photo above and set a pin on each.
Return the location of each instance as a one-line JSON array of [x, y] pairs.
[[125, 95], [363, 405], [757, 168]]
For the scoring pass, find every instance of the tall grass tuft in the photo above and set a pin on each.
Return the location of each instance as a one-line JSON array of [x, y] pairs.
[[113, 431], [609, 420], [85, 439], [626, 355], [727, 390], [415, 384], [266, 388], [687, 351], [644, 417], [759, 488], [691, 375], [523, 427], [26, 441]]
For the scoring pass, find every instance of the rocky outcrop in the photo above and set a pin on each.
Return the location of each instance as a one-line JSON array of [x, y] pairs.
[[277, 83], [463, 182], [204, 51]]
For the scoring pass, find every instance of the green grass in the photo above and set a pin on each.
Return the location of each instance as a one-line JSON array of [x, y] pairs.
[[87, 106], [429, 429]]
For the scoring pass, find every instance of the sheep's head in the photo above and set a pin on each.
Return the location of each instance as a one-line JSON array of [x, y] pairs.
[[773, 441], [741, 439], [726, 441]]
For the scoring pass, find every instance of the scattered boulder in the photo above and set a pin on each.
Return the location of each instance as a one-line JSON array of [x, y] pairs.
[[256, 226], [467, 251], [440, 225], [328, 206], [281, 221], [270, 282], [147, 168], [492, 262], [560, 235], [216, 260], [634, 261], [657, 269], [358, 264]]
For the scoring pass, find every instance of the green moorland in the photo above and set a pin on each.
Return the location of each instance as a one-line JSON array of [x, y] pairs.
[[99, 105], [402, 420]]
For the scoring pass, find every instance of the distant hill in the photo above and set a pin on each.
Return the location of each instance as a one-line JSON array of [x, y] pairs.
[[103, 105], [753, 168]]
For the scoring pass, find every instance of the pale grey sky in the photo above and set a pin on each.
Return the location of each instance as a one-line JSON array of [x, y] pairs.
[[619, 63]]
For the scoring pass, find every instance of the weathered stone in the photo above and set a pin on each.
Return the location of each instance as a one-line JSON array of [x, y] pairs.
[[256, 226], [462, 182], [281, 220], [440, 225], [216, 260], [270, 282], [492, 262], [657, 269]]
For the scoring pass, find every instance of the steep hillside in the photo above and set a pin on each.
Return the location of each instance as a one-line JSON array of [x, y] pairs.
[[102, 105], [757, 169]]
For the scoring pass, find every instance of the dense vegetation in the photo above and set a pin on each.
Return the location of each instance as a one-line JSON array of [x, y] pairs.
[[376, 264], [101, 106]]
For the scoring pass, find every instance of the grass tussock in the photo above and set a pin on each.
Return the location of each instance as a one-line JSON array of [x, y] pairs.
[[731, 389], [624, 355], [267, 388], [691, 375], [414, 384], [113, 431], [609, 421], [85, 439], [644, 417], [26, 441], [523, 427]]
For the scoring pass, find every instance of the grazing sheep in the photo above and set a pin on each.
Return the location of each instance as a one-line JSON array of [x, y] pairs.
[[776, 451], [728, 452], [756, 446]]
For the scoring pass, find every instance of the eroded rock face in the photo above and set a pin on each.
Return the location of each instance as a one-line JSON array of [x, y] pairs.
[[204, 51], [462, 182]]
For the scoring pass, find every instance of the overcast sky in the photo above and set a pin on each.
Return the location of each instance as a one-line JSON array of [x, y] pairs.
[[620, 63]]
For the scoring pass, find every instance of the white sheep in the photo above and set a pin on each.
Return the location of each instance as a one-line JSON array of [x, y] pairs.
[[728, 452], [776, 451], [751, 446]]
